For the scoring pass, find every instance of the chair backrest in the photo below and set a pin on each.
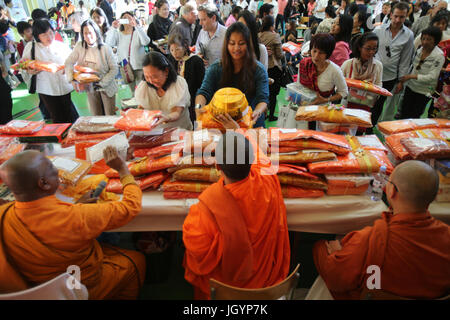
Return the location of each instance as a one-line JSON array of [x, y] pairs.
[[379, 294], [55, 289], [222, 291]]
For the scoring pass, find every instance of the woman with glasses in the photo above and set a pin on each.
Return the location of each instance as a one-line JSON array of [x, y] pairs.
[[364, 66], [422, 80], [163, 90]]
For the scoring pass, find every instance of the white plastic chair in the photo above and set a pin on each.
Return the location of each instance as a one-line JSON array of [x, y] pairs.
[[55, 289]]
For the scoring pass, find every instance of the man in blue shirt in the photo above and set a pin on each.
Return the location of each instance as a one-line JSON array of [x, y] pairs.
[[106, 7]]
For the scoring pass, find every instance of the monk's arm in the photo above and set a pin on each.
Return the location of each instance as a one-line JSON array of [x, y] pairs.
[[96, 218], [342, 269]]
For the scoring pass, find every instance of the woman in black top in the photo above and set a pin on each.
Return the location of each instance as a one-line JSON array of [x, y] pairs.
[[160, 26], [190, 67]]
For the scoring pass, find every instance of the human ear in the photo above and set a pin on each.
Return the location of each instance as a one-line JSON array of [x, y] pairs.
[[43, 184]]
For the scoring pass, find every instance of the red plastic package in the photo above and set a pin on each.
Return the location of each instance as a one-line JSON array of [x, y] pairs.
[[138, 120], [21, 127], [139, 141], [152, 181], [74, 136]]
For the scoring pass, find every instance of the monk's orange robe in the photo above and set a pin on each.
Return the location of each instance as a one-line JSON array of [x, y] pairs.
[[41, 239], [412, 251], [237, 234]]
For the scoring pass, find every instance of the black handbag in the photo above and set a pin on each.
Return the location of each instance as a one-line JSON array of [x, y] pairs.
[[32, 88], [287, 73]]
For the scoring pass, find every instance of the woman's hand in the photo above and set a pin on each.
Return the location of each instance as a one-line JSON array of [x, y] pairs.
[[256, 114], [133, 22], [319, 100], [408, 77], [162, 118], [115, 24], [398, 88], [227, 121], [32, 71], [269, 51]]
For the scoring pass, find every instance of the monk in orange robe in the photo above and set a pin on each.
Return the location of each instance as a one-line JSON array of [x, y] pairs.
[[410, 247], [237, 233], [41, 236]]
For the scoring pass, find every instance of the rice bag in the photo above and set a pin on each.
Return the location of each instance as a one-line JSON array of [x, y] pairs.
[[95, 124], [138, 120], [146, 165], [188, 186], [302, 182], [425, 148], [70, 170], [391, 127], [21, 127], [334, 113], [197, 174], [151, 181], [303, 156], [296, 192]]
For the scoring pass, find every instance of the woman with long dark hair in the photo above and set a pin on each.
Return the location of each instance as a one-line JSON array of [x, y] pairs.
[[93, 53], [238, 68], [359, 25], [159, 28], [163, 90], [99, 17], [342, 32], [247, 18]]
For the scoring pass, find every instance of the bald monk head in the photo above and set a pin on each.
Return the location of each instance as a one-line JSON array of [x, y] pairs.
[[234, 156], [416, 186], [30, 176]]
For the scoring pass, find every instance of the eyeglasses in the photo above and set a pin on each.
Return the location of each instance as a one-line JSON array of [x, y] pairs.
[[420, 63], [388, 51], [387, 180], [370, 49]]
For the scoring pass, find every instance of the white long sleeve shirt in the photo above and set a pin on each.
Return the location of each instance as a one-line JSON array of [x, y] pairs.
[[51, 84]]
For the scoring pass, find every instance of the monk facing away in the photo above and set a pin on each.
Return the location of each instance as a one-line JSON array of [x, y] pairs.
[[41, 236], [411, 248], [237, 233]]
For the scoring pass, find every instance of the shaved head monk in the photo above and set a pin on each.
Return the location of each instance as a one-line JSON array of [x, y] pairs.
[[410, 247], [41, 236], [237, 233]]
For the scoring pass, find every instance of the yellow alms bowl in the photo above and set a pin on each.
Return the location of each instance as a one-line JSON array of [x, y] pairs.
[[229, 100]]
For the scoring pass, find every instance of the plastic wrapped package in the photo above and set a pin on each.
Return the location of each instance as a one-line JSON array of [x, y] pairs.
[[70, 170], [292, 47], [337, 128], [85, 77], [181, 195], [197, 174], [296, 192], [361, 97], [207, 120], [162, 150], [80, 153], [303, 156], [397, 126], [187, 186], [85, 69], [139, 140], [190, 161], [367, 86], [296, 170], [138, 120], [21, 127], [95, 124], [10, 150], [151, 181], [299, 94], [201, 140], [335, 114], [145, 165], [74, 136], [299, 181], [425, 148], [368, 142], [50, 133], [394, 141], [38, 65], [88, 184], [361, 161], [119, 141], [344, 184]]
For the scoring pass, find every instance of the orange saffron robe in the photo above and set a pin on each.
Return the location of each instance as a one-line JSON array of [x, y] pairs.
[[412, 251], [44, 237], [249, 250]]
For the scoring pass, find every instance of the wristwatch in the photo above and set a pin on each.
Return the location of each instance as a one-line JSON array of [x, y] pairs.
[[198, 106]]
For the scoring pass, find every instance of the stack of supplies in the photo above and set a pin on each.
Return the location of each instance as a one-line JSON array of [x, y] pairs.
[[9, 147]]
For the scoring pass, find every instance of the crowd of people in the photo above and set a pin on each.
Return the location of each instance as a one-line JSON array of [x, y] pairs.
[[174, 60]]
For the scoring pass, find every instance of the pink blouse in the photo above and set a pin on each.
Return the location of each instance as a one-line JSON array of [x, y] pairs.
[[341, 53]]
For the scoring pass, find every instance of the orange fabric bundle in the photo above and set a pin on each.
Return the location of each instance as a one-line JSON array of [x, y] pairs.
[[138, 120], [297, 192], [361, 161], [80, 153], [146, 165], [335, 114], [74, 136], [367, 86], [423, 148], [304, 156], [85, 77], [334, 190], [368, 142], [10, 150], [395, 145], [197, 174], [295, 170], [302, 182], [152, 181], [70, 171], [206, 120], [151, 141], [162, 150], [88, 184], [343, 184], [181, 195], [21, 127], [188, 186], [391, 127], [84, 69]]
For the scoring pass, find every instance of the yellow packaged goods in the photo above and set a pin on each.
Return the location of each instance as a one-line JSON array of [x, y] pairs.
[[70, 170], [88, 184], [303, 156], [302, 182], [334, 113], [197, 174], [229, 100]]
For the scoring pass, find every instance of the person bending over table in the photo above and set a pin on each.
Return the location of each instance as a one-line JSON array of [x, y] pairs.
[[410, 247], [320, 74], [239, 69], [42, 236], [163, 90]]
